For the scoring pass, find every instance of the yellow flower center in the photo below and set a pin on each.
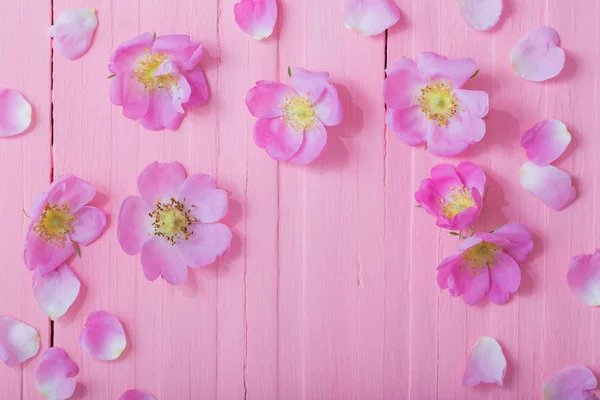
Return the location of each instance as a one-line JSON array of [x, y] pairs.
[[172, 220], [298, 112], [481, 256], [145, 72], [55, 224], [460, 200], [438, 103]]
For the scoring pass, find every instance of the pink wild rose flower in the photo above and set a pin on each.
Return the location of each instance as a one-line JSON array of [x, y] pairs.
[[157, 78], [427, 105], [453, 195], [292, 119], [174, 223], [487, 264], [62, 221]]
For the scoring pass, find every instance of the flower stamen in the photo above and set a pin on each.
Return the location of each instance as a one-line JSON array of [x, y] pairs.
[[298, 112], [438, 103], [55, 224], [145, 72], [481, 256], [172, 220], [459, 200]]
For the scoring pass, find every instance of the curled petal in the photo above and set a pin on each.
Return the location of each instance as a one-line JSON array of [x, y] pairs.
[[197, 81], [546, 141], [88, 225], [371, 17], [571, 383], [181, 49], [162, 112], [471, 176], [481, 15], [552, 186], [15, 113], [329, 108], [55, 375], [56, 291], [103, 337], [18, 341], [265, 100], [161, 181], [73, 32], [256, 17], [584, 278], [134, 224], [537, 57], [122, 60], [519, 240], [486, 363], [279, 140], [136, 395]]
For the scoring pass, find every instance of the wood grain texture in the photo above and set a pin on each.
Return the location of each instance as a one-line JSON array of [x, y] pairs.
[[329, 290]]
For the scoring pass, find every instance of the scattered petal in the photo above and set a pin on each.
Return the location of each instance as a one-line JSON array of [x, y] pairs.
[[136, 395], [584, 278], [15, 113], [481, 15], [546, 141], [537, 57], [571, 383], [256, 17], [56, 291], [486, 363], [103, 337], [551, 185], [55, 375], [371, 17], [73, 32], [18, 341]]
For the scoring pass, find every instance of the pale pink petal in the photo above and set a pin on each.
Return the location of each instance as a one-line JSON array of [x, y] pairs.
[[134, 224], [409, 124], [208, 242], [56, 291], [135, 394], [471, 176], [475, 102], [552, 186], [329, 108], [519, 238], [265, 100], [15, 113], [505, 279], [256, 17], [402, 84], [162, 113], [481, 15], [436, 67], [160, 257], [571, 383], [314, 143], [123, 59], [462, 131], [44, 256], [127, 92], [280, 141], [455, 276], [309, 83], [537, 57], [584, 278], [209, 203], [161, 182], [546, 141], [55, 375], [181, 49], [486, 363], [18, 341], [370, 17], [103, 337], [73, 31], [37, 207], [72, 191], [197, 81], [180, 89], [88, 225]]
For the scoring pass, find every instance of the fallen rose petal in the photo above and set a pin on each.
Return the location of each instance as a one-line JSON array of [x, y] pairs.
[[136, 395], [371, 17], [56, 291], [18, 341], [73, 32], [55, 375], [486, 363], [15, 113], [551, 185], [256, 17], [103, 337], [546, 141], [571, 383], [481, 15], [584, 277], [537, 57]]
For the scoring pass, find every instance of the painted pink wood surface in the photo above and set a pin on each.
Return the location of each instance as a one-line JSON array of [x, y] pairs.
[[329, 290]]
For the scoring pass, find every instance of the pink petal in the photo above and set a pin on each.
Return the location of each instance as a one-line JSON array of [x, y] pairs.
[[127, 92], [88, 225], [313, 145], [123, 59], [486, 363], [280, 141], [162, 113], [37, 207], [160, 257], [15, 113], [370, 17], [161, 181], [584, 278], [72, 191], [265, 100], [505, 278], [134, 224], [329, 108], [18, 341], [103, 337], [520, 240], [309, 83], [481, 15], [44, 256], [462, 131], [552, 186], [209, 203], [256, 17], [546, 141], [403, 82], [571, 383], [445, 178], [136, 395], [73, 32], [55, 375], [180, 49], [208, 242], [537, 57], [457, 278], [409, 124], [180, 90], [471, 176], [436, 67], [197, 81], [56, 291], [474, 102]]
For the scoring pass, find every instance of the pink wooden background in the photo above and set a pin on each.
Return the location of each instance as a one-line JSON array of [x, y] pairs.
[[329, 291]]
